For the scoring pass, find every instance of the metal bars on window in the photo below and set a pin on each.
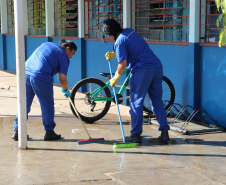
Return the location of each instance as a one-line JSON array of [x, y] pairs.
[[161, 20], [97, 11], [10, 16], [209, 33], [66, 18], [36, 17]]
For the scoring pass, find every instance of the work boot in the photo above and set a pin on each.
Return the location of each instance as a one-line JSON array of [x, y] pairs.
[[134, 138], [51, 135], [164, 137], [15, 135]]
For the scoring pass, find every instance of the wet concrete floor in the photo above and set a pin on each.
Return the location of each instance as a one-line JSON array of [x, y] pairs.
[[197, 159]]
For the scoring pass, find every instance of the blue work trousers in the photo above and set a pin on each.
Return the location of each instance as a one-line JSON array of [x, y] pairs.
[[44, 92], [145, 80]]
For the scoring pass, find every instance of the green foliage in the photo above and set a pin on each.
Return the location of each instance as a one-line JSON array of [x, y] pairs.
[[222, 40], [222, 36]]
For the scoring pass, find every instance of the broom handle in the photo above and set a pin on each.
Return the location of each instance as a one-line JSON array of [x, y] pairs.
[[116, 101], [78, 116]]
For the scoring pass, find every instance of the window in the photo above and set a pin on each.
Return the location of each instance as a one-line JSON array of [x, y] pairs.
[[209, 33], [96, 12], [66, 18], [10, 16], [36, 17], [161, 20]]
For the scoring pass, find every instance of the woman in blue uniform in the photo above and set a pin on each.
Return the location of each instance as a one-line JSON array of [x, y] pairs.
[[46, 61], [133, 53]]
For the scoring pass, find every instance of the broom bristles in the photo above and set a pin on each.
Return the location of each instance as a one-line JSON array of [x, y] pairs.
[[125, 145], [91, 140]]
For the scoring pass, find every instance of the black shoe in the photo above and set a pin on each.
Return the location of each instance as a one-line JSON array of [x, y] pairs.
[[51, 135], [134, 138], [15, 135], [164, 137]]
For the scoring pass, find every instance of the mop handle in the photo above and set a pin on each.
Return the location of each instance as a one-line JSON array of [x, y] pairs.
[[78, 115], [116, 101]]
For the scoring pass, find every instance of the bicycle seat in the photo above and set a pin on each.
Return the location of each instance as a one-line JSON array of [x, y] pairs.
[[106, 75]]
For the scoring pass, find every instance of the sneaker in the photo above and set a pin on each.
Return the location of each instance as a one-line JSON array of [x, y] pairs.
[[15, 135], [51, 135], [164, 137], [134, 138]]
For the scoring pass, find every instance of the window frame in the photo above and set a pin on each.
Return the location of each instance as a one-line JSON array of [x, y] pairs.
[[203, 16], [10, 13], [36, 18], [115, 7], [64, 13], [169, 11]]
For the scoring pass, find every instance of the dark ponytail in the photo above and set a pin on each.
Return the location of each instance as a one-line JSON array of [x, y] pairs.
[[110, 27], [67, 43]]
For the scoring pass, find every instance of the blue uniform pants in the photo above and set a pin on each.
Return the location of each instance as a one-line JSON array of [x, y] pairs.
[[44, 92], [145, 80]]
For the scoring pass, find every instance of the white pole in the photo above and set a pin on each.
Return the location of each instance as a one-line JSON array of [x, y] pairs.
[[81, 19], [49, 11], [126, 14], [194, 21], [3, 17], [20, 69]]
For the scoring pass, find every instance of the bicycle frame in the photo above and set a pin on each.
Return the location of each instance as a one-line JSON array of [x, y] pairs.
[[125, 83]]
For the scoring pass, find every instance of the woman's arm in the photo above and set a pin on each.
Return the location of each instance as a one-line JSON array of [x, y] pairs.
[[63, 80], [121, 67]]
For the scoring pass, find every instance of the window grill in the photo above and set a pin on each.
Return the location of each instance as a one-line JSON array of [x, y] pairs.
[[36, 17], [209, 33], [66, 18], [161, 20], [10, 16], [97, 11]]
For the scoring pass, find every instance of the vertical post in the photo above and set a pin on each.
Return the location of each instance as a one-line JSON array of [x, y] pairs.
[[25, 18], [81, 35], [127, 24], [3, 17], [194, 15], [3, 32], [81, 19], [49, 11], [194, 49], [20, 69], [126, 14]]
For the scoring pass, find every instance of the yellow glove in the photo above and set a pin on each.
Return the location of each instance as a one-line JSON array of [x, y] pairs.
[[114, 79], [110, 55]]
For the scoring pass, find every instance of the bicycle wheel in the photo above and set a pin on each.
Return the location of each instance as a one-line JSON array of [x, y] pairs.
[[168, 96], [89, 110]]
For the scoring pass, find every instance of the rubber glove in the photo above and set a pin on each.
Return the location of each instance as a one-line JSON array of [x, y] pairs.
[[114, 79], [66, 93], [110, 55]]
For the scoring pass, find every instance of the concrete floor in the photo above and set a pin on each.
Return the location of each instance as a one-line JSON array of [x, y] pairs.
[[188, 159]]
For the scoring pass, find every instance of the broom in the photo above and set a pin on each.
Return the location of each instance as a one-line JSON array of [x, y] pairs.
[[124, 144], [86, 141]]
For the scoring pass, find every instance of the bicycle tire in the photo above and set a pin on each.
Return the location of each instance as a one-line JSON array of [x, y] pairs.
[[83, 103], [168, 96]]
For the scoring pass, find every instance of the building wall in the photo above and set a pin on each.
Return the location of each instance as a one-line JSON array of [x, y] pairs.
[[1, 51], [213, 82], [177, 65], [10, 53]]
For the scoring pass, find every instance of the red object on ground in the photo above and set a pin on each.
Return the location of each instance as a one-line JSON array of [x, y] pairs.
[[91, 140]]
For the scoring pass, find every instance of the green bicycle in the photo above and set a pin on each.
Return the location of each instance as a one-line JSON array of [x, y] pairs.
[[92, 97]]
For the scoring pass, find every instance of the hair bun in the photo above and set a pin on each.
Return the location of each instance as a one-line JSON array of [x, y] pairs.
[[62, 41]]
